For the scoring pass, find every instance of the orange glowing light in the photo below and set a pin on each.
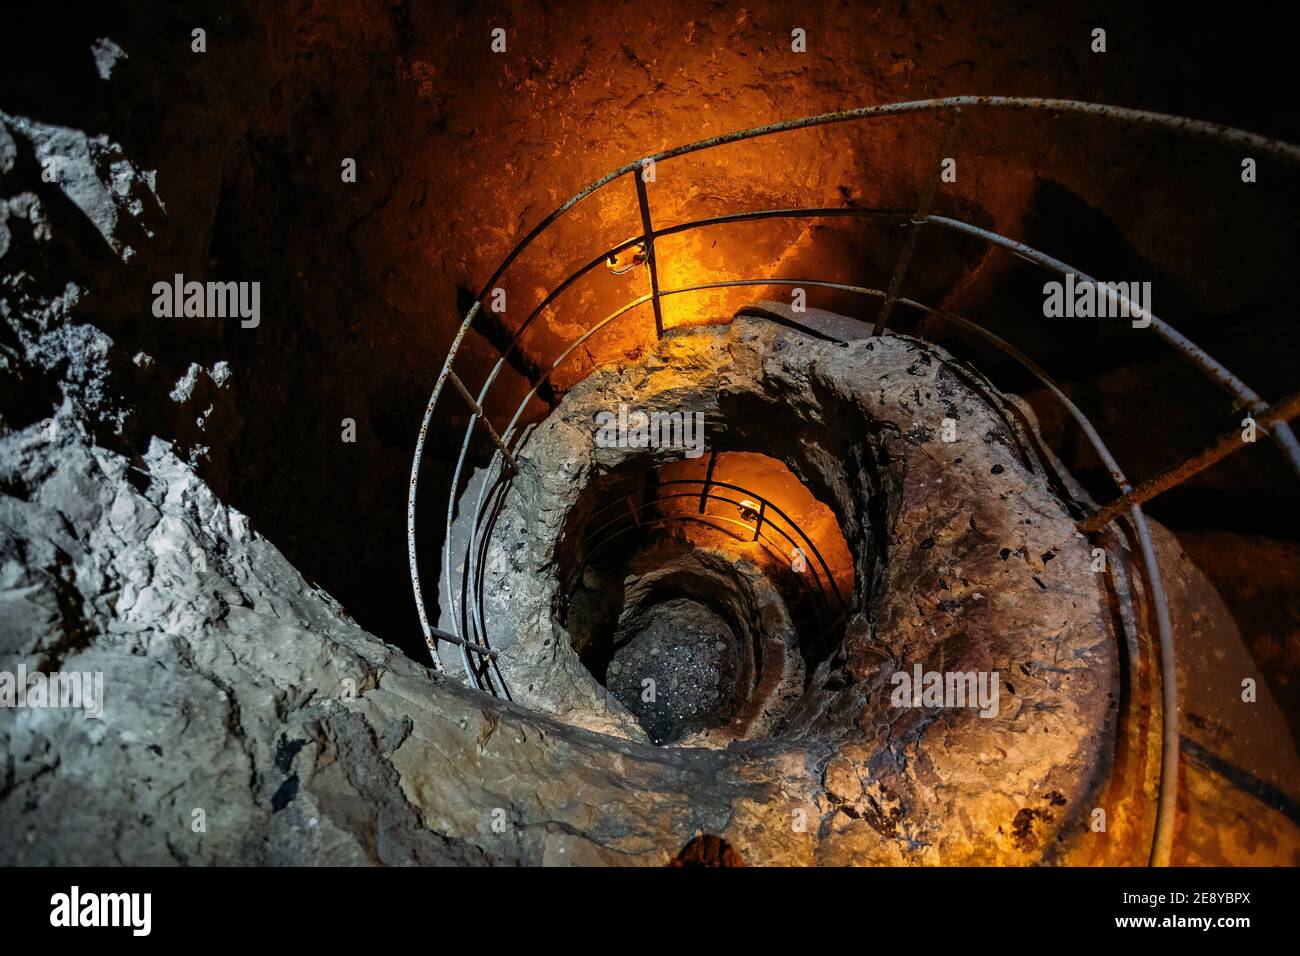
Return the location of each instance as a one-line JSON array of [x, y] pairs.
[[788, 503]]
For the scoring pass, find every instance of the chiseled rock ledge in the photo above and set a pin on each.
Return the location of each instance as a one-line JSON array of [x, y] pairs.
[[234, 688]]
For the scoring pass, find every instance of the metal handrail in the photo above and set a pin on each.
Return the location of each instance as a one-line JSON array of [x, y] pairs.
[[759, 537], [1162, 841], [1211, 131], [476, 550], [1282, 433], [766, 503]]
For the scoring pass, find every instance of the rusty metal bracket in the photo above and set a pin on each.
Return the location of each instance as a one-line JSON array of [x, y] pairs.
[[708, 479], [478, 413], [1226, 445]]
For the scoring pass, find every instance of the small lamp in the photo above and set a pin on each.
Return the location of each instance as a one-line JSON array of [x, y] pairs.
[[639, 256]]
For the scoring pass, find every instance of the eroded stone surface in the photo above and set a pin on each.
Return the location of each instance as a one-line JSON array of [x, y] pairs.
[[227, 690], [234, 688], [966, 562]]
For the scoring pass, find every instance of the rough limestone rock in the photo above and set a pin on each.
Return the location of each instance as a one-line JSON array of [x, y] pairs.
[[966, 561], [235, 689], [246, 718]]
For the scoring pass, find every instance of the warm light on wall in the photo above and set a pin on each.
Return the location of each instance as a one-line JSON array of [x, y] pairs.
[[624, 262], [770, 479]]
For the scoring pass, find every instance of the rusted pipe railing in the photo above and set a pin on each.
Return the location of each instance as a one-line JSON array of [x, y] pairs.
[[708, 479], [823, 580], [1282, 435], [1227, 445], [648, 230], [477, 409]]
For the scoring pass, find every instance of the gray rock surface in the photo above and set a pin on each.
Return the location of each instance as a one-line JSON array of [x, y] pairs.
[[246, 718]]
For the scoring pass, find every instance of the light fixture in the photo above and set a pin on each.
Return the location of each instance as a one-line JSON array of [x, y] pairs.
[[639, 256]]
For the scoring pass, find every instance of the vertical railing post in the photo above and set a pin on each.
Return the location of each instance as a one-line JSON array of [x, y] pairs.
[[478, 412], [762, 509], [917, 224], [647, 231], [708, 479]]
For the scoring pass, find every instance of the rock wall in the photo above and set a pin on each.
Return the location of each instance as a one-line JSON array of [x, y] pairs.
[[133, 449], [459, 151]]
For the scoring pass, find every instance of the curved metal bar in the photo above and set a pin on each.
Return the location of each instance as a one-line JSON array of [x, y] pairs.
[[506, 436], [477, 559], [739, 283], [1152, 120], [715, 483], [514, 420], [472, 610], [1282, 433], [730, 218], [1178, 124], [415, 480], [928, 191], [1086, 426], [797, 212], [700, 287], [702, 519], [1162, 840], [475, 521], [469, 433], [1224, 446], [1217, 132], [820, 212], [712, 497], [1169, 758], [697, 517], [568, 282], [1162, 843]]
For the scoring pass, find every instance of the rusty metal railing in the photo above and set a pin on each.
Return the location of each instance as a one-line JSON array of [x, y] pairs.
[[795, 537], [473, 638]]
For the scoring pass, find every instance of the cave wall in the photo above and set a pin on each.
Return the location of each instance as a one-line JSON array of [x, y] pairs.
[[225, 165], [460, 150]]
